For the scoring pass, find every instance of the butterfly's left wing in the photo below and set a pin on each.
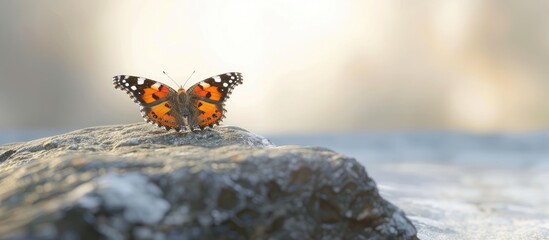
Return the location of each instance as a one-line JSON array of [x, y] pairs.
[[155, 99], [143, 91], [209, 95]]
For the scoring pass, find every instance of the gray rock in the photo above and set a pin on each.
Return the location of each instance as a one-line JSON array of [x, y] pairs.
[[136, 181]]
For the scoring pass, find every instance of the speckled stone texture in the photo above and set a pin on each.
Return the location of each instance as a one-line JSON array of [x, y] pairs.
[[139, 182]]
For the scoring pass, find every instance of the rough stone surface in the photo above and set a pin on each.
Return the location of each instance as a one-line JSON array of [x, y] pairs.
[[455, 185], [136, 181]]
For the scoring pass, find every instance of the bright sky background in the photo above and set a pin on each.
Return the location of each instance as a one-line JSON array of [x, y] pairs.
[[309, 66]]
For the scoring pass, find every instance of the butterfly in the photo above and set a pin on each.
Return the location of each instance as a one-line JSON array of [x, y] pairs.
[[200, 106]]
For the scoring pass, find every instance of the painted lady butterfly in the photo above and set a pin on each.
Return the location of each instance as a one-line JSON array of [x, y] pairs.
[[202, 105]]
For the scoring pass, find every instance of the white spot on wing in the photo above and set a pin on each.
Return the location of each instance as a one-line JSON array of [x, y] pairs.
[[225, 84], [140, 80], [127, 84], [134, 88], [217, 79], [156, 86]]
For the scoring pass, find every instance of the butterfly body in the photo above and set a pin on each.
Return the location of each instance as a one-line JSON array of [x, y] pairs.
[[202, 105]]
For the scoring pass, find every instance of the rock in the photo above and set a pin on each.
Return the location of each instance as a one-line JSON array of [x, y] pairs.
[[136, 181]]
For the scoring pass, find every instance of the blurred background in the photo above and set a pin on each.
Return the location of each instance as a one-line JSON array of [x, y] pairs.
[[445, 95], [310, 66]]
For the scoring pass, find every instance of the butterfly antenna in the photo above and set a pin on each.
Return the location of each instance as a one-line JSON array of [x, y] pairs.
[[188, 79], [170, 78]]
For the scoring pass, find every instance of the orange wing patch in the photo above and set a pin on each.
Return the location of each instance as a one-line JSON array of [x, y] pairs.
[[160, 114], [207, 91], [152, 94], [209, 113]]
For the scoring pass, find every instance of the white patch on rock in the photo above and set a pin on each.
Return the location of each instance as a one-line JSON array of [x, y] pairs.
[[82, 196], [140, 199], [349, 214], [362, 214]]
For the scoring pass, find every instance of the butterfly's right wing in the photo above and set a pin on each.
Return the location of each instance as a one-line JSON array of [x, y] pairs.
[[155, 99]]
